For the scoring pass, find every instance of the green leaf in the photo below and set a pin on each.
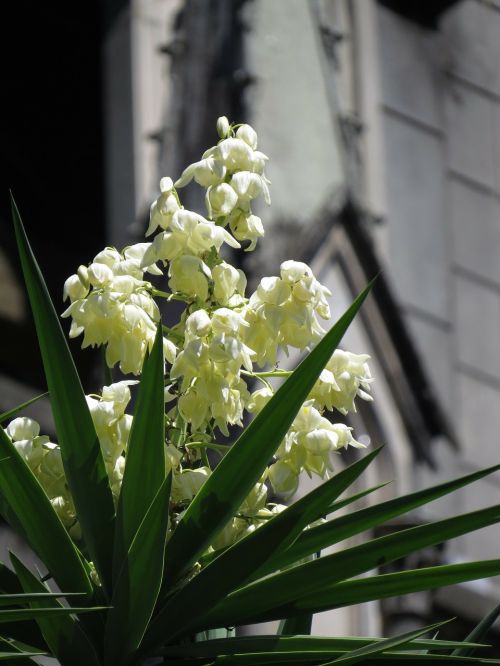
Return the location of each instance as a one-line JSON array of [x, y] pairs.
[[304, 645], [362, 590], [244, 558], [381, 646], [15, 410], [478, 633], [145, 461], [307, 659], [305, 511], [21, 614], [138, 583], [39, 522], [64, 634], [370, 649], [25, 598], [9, 582], [266, 598], [225, 490], [4, 656], [341, 504], [296, 625], [336, 506], [334, 531], [26, 632], [80, 449], [209, 586]]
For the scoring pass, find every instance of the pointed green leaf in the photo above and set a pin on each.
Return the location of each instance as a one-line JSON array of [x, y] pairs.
[[21, 614], [371, 648], [211, 585], [338, 529], [4, 656], [305, 511], [396, 584], [246, 557], [323, 647], [286, 659], [478, 633], [15, 410], [25, 598], [9, 582], [296, 625], [26, 632], [336, 506], [381, 646], [40, 524], [145, 461], [265, 598], [138, 582], [224, 491], [64, 635], [398, 656], [341, 504], [80, 449]]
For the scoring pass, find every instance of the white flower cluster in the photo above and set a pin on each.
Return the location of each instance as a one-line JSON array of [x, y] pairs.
[[308, 445], [220, 338], [44, 459], [233, 174], [345, 377], [210, 364], [111, 304], [283, 312], [112, 426]]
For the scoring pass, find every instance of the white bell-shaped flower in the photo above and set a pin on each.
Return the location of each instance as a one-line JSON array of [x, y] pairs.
[[248, 135]]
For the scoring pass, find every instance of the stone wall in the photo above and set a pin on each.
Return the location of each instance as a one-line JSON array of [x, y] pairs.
[[440, 114]]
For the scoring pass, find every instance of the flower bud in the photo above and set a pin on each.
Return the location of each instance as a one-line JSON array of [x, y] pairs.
[[283, 478], [83, 275], [166, 184], [198, 324], [74, 288], [248, 135], [99, 274], [221, 200], [223, 127], [259, 400], [23, 428], [108, 256]]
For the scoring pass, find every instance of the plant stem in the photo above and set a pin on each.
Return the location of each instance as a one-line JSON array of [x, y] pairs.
[[221, 448], [269, 373]]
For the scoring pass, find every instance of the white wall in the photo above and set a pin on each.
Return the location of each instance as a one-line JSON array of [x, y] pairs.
[[439, 106]]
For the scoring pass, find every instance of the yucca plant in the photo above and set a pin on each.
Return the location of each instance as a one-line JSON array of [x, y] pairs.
[[153, 551]]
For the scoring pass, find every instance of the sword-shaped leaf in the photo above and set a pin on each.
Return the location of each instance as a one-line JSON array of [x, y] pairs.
[[265, 598], [80, 449], [244, 558], [64, 634], [15, 410], [382, 646], [145, 461], [304, 645], [138, 583], [26, 598], [478, 633], [338, 529], [396, 584], [6, 656]]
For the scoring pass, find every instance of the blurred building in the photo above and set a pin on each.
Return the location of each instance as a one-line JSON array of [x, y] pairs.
[[382, 124]]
